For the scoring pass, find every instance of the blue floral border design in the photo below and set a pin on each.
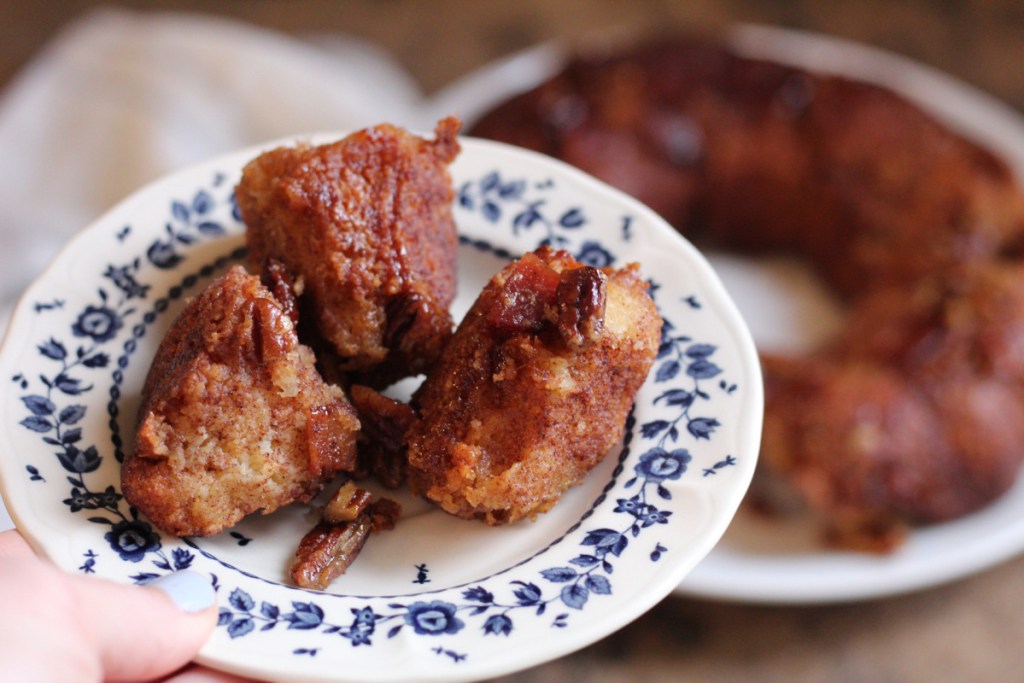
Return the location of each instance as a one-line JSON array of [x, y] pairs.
[[684, 368]]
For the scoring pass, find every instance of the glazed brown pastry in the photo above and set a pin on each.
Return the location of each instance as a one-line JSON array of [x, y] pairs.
[[234, 417], [534, 388], [364, 226], [918, 229]]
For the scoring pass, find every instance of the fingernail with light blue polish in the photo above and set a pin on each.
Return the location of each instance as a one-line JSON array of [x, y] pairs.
[[190, 591]]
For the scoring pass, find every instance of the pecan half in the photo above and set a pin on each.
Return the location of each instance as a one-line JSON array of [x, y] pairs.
[[328, 550]]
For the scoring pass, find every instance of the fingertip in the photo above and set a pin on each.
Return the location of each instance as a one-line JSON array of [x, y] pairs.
[[190, 591], [148, 632], [126, 632]]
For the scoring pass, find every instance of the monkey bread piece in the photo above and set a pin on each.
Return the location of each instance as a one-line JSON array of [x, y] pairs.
[[365, 227], [234, 417], [534, 388]]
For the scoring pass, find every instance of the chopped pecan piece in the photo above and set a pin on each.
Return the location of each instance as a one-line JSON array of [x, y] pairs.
[[534, 296], [384, 514], [404, 312], [328, 438], [523, 300], [382, 445], [348, 503], [581, 303], [269, 341], [326, 552], [281, 284]]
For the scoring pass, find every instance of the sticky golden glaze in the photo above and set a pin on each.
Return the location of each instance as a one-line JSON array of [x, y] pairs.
[[921, 232], [365, 225], [234, 417], [512, 418]]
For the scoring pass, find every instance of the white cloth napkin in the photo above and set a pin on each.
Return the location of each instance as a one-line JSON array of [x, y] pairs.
[[120, 98]]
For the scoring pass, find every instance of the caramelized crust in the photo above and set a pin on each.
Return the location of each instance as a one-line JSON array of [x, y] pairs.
[[364, 226], [534, 388], [234, 417], [920, 230], [759, 156]]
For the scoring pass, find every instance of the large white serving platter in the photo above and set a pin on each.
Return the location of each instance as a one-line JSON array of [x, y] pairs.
[[782, 560]]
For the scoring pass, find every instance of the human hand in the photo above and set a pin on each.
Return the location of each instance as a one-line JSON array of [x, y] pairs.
[[58, 627]]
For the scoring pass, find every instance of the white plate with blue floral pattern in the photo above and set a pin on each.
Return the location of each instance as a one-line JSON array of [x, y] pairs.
[[437, 599]]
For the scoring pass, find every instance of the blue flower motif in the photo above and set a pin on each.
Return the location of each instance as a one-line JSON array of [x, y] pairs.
[[478, 594], [651, 516], [162, 255], [630, 506], [702, 427], [182, 558], [365, 616], [498, 625], [79, 499], [593, 254], [124, 280], [363, 626], [433, 618], [657, 464], [108, 498], [360, 636], [99, 322], [132, 540]]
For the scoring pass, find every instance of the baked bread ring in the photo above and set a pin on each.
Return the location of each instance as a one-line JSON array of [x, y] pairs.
[[913, 411]]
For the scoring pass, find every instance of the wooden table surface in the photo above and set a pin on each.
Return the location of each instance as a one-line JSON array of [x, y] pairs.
[[971, 630]]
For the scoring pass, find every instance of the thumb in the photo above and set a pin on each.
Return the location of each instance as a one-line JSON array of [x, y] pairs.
[[144, 633]]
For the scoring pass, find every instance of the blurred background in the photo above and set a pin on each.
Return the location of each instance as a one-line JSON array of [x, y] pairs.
[[981, 41], [967, 631]]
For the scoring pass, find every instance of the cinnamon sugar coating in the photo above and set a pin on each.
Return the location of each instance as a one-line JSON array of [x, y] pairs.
[[234, 417], [534, 388]]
